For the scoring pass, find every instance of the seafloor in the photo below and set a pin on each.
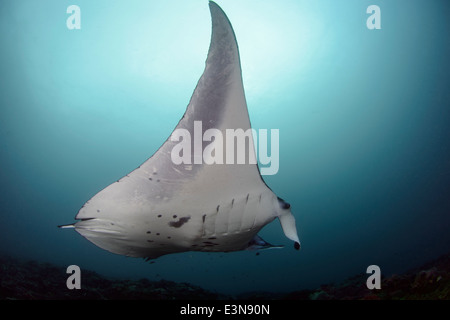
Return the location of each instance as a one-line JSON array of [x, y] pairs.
[[31, 280]]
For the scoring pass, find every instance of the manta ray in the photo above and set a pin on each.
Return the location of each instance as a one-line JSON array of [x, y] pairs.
[[162, 207]]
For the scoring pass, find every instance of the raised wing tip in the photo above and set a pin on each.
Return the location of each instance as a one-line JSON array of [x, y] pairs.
[[212, 3], [216, 9]]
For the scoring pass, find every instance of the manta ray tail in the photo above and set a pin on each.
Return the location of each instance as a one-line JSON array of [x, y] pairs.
[[67, 226], [258, 243]]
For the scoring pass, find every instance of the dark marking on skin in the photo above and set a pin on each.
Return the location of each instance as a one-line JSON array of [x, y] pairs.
[[169, 237], [112, 223], [159, 216], [98, 210], [180, 222], [217, 209], [157, 180], [149, 232], [297, 245], [174, 216], [260, 197], [283, 204], [203, 218], [210, 243], [150, 179], [154, 173], [212, 238], [150, 241], [232, 203], [158, 234], [246, 200]]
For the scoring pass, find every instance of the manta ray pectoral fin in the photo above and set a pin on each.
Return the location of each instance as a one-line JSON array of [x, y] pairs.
[[258, 243], [287, 221]]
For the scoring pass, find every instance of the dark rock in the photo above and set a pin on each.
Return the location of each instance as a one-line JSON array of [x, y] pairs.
[[31, 280]]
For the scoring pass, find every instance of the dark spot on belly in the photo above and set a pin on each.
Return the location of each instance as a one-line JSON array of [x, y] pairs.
[[169, 237], [217, 209], [150, 179], [203, 218], [98, 210], [174, 216], [180, 222], [159, 216], [157, 234], [149, 232]]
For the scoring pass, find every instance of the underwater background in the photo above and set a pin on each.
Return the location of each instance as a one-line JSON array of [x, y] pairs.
[[364, 120]]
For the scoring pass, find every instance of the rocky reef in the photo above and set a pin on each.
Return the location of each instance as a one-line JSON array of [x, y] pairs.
[[31, 280], [429, 282]]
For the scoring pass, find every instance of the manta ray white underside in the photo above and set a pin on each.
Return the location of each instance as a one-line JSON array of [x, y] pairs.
[[162, 208]]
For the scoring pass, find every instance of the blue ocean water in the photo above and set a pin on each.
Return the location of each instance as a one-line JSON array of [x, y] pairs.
[[364, 120]]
